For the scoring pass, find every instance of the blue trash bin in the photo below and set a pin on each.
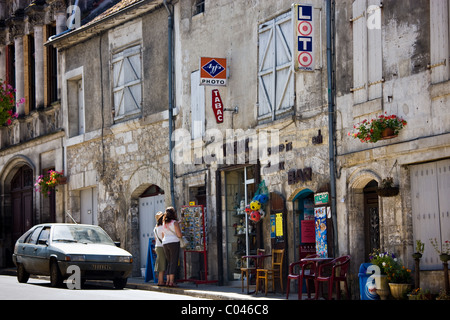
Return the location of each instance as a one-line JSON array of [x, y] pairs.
[[367, 286]]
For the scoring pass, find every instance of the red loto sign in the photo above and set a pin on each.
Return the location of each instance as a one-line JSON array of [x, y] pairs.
[[217, 106]]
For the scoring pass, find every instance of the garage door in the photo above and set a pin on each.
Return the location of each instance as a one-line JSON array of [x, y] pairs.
[[430, 190]]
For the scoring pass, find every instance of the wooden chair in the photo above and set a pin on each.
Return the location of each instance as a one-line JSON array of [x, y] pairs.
[[338, 273], [276, 272], [307, 271], [248, 270]]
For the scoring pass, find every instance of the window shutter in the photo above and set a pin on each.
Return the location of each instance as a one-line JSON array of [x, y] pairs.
[[375, 58], [439, 38], [275, 76], [127, 82], [197, 106], [359, 51], [425, 209], [443, 174]]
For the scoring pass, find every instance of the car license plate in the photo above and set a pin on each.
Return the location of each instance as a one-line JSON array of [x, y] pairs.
[[101, 267]]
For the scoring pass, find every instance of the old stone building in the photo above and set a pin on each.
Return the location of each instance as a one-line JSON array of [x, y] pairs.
[[114, 78], [393, 60], [246, 90], [34, 142]]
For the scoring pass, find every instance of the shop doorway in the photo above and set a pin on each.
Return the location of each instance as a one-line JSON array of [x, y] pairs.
[[243, 237], [371, 219], [150, 202], [304, 232]]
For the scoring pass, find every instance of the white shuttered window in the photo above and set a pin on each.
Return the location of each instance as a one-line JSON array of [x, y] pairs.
[[127, 77], [440, 38], [430, 189], [197, 106], [275, 75], [367, 51]]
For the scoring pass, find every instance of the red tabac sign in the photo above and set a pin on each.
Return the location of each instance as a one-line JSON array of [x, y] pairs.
[[217, 105]]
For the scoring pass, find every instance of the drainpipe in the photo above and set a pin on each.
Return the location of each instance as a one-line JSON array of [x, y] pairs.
[[331, 123], [170, 54]]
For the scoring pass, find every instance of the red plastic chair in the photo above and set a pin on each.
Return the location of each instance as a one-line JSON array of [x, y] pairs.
[[339, 268], [307, 272]]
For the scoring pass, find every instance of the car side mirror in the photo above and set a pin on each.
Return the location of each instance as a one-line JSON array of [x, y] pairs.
[[117, 243]]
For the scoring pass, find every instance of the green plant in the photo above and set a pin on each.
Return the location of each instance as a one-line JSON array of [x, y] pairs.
[[420, 294], [445, 246], [7, 103], [420, 246], [372, 131], [391, 267]]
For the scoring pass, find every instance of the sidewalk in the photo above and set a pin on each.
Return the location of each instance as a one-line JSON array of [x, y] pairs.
[[205, 291], [208, 291]]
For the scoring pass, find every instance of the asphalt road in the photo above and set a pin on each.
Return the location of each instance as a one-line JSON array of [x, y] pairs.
[[40, 289]]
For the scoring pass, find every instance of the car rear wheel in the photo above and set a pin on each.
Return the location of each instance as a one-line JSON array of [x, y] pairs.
[[120, 283], [56, 279], [22, 274]]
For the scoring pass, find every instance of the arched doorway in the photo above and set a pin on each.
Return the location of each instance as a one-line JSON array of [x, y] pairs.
[[22, 201], [371, 219], [150, 202]]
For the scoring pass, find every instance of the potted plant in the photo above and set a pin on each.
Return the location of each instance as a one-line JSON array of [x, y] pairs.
[[417, 255], [387, 188], [380, 128], [46, 184], [399, 278], [7, 103], [382, 260], [444, 255], [419, 294]]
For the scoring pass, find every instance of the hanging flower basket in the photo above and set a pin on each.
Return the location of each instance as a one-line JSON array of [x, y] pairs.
[[387, 188], [46, 184], [381, 128], [8, 106]]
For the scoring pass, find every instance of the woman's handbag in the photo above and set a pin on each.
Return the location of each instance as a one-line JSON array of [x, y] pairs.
[[183, 242]]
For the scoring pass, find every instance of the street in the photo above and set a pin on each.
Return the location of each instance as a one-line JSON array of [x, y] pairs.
[[39, 289]]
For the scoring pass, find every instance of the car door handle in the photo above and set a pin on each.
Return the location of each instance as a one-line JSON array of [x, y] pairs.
[[35, 249]]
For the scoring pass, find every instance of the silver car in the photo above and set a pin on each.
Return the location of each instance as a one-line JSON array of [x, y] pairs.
[[49, 249]]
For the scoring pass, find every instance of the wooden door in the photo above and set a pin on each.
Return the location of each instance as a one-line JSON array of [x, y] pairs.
[[22, 201], [371, 219]]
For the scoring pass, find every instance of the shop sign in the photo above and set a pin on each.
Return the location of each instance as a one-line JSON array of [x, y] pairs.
[[304, 37], [300, 175], [217, 105], [213, 71], [321, 198]]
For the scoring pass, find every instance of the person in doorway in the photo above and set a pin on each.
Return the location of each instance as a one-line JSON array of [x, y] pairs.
[[171, 244], [160, 263]]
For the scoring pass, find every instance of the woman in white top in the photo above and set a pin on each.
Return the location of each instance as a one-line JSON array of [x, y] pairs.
[[171, 244], [160, 263]]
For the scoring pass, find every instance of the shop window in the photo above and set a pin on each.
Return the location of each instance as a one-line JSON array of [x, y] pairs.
[[276, 92]]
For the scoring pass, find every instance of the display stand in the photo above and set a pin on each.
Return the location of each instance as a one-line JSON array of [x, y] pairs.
[[193, 228]]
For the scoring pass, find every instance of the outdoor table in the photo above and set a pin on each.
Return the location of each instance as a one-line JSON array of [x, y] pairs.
[[317, 261]]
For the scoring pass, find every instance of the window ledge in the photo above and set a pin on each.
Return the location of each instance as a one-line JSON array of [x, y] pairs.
[[368, 107]]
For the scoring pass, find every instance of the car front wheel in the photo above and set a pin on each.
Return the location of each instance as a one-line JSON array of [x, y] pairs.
[[22, 274], [55, 275]]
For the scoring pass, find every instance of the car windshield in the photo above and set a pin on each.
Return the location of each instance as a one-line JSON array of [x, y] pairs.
[[81, 234]]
